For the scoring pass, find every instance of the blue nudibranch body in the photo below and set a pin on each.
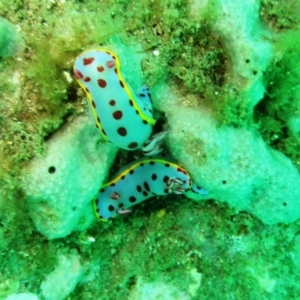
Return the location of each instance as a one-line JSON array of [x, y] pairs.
[[140, 180], [122, 117]]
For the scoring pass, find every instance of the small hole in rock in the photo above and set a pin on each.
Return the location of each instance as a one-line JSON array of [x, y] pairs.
[[284, 204], [51, 170], [224, 181]]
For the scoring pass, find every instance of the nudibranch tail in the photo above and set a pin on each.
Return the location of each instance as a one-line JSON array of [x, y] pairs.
[[140, 180], [120, 115], [198, 189]]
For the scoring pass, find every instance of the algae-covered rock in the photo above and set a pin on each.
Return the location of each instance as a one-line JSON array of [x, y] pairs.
[[235, 165], [22, 296], [60, 187], [244, 35], [64, 278], [10, 39]]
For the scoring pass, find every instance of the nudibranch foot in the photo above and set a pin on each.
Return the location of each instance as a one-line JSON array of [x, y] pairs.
[[153, 145]]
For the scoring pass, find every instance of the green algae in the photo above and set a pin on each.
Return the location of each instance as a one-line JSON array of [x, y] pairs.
[[281, 101], [280, 15]]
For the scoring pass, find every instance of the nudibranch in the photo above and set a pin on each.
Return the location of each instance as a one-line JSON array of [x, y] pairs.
[[123, 117], [140, 180]]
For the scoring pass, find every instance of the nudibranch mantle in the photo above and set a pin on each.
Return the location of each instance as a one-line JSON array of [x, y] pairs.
[[123, 118], [140, 180]]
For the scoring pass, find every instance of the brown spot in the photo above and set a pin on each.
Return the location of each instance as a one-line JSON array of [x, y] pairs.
[[122, 131], [88, 61], [166, 179], [102, 83], [132, 145], [117, 115], [146, 185], [181, 170], [154, 176], [100, 69], [78, 74], [132, 199]]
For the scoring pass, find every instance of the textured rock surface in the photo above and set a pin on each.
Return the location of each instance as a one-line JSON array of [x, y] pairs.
[[239, 25], [22, 296], [60, 186], [235, 165], [63, 280]]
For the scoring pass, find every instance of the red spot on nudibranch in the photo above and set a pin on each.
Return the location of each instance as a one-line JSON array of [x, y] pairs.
[[117, 115], [122, 131], [121, 83], [112, 102], [102, 83], [88, 61], [110, 63], [87, 79], [78, 74], [93, 104], [100, 69]]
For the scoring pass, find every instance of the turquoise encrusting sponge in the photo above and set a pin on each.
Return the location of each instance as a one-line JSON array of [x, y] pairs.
[[140, 180]]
